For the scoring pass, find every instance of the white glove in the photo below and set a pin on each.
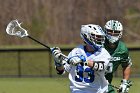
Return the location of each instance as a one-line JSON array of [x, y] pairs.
[[58, 56], [76, 60], [125, 85]]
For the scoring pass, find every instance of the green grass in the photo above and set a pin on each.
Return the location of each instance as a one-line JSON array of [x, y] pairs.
[[37, 63], [47, 85], [33, 85]]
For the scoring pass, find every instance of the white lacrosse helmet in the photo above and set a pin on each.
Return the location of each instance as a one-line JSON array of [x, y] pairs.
[[93, 35], [113, 30]]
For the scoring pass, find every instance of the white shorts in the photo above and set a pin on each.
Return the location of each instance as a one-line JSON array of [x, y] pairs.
[[103, 90]]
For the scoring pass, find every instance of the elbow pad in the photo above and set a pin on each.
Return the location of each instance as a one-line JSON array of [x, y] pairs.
[[98, 66]]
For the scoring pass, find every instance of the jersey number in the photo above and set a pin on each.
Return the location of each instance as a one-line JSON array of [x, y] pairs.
[[84, 74]]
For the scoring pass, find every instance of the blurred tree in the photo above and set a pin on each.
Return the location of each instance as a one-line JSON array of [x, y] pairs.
[[59, 21]]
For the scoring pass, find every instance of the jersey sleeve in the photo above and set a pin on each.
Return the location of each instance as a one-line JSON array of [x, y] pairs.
[[71, 54], [125, 59], [101, 61], [106, 58]]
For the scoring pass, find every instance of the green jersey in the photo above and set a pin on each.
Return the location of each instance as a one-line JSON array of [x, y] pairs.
[[119, 56]]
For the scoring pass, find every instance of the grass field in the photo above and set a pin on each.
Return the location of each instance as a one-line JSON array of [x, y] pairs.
[[47, 85], [34, 85], [37, 63]]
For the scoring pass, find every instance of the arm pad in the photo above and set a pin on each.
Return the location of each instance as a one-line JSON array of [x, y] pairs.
[[98, 66]]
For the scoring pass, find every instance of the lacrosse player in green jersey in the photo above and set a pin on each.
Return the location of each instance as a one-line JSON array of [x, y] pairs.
[[119, 55]]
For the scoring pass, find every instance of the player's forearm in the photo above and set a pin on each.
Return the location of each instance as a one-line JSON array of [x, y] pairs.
[[126, 72], [90, 63], [60, 70]]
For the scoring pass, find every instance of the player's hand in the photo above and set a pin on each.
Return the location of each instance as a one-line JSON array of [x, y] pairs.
[[124, 86], [58, 56], [76, 60]]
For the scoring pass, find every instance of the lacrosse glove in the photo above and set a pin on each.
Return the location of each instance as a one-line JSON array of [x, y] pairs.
[[124, 86], [76, 60], [59, 58]]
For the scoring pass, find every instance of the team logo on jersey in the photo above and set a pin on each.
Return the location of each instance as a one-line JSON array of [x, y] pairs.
[[115, 58]]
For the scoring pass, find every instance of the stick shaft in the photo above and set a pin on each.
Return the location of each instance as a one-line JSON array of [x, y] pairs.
[[115, 86], [38, 42]]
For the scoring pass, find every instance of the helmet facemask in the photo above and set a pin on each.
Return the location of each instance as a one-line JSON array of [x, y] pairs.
[[92, 38], [113, 35], [97, 39], [113, 30]]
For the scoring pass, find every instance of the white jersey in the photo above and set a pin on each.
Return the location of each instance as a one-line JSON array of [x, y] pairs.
[[84, 79]]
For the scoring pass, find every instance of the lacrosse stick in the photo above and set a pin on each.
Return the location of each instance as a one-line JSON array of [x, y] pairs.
[[14, 28], [117, 88]]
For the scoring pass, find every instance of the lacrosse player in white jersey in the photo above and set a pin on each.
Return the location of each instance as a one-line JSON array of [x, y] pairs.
[[86, 63]]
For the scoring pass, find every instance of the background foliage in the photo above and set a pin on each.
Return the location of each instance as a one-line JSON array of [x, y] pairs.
[[59, 21]]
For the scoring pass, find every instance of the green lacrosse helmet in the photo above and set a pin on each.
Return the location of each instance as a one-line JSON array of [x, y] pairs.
[[113, 30]]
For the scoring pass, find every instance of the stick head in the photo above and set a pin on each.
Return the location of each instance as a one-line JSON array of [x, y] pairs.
[[14, 28]]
